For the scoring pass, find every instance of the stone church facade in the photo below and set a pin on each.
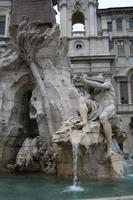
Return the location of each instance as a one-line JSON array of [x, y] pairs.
[[103, 44]]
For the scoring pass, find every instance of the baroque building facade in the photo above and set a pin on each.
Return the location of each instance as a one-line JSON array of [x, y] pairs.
[[99, 41]]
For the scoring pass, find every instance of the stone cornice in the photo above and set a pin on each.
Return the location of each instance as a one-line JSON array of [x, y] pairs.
[[89, 38], [122, 37], [115, 10], [125, 112], [92, 58]]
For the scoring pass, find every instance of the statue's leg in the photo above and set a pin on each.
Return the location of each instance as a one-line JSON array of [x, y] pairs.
[[83, 111], [107, 131]]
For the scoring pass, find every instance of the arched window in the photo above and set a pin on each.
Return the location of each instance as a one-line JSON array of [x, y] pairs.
[[78, 24], [131, 82]]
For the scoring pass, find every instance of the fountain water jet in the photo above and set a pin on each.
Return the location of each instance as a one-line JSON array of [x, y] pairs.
[[75, 148]]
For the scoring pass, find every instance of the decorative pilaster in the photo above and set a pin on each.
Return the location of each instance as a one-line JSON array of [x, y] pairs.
[[104, 26], [118, 93], [7, 22], [129, 93], [92, 18]]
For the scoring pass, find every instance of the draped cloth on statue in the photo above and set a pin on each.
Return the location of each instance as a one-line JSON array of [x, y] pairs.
[[95, 110]]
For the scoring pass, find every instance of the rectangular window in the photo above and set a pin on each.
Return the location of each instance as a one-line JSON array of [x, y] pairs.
[[131, 47], [131, 122], [2, 25], [119, 24], [111, 44], [131, 23], [109, 26], [120, 46], [124, 92]]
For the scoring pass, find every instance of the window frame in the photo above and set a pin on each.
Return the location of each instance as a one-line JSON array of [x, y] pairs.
[[109, 26], [3, 22], [131, 23], [119, 24], [123, 91], [131, 47], [111, 45], [121, 51], [78, 20]]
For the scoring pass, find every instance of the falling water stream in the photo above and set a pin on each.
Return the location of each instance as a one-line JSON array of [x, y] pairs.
[[75, 147], [75, 187]]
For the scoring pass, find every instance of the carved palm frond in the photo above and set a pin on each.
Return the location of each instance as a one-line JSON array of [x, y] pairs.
[[30, 38]]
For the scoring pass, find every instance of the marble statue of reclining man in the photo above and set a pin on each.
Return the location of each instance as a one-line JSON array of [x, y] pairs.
[[103, 96]]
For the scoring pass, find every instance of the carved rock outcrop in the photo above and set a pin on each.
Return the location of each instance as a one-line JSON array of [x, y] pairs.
[[40, 108], [92, 161], [35, 155]]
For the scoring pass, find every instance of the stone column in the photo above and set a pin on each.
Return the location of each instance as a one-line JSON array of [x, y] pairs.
[[114, 26], [124, 26], [87, 24], [7, 23], [129, 93], [118, 93], [63, 21], [69, 26], [92, 18], [104, 25]]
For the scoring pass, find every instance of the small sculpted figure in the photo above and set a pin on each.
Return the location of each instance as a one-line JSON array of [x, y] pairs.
[[102, 106]]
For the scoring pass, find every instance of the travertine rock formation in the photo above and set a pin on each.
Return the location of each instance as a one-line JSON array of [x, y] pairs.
[[92, 160], [36, 89], [35, 155], [40, 109]]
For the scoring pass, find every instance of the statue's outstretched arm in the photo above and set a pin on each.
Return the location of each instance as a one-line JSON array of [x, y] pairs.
[[96, 84]]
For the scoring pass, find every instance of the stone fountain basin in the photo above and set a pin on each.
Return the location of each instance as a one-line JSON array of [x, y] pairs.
[[40, 187], [116, 198]]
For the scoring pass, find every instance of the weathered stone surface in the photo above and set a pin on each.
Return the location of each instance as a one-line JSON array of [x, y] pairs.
[[88, 136], [35, 155], [36, 87], [92, 161]]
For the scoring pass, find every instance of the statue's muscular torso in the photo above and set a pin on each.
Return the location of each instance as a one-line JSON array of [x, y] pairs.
[[105, 97]]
